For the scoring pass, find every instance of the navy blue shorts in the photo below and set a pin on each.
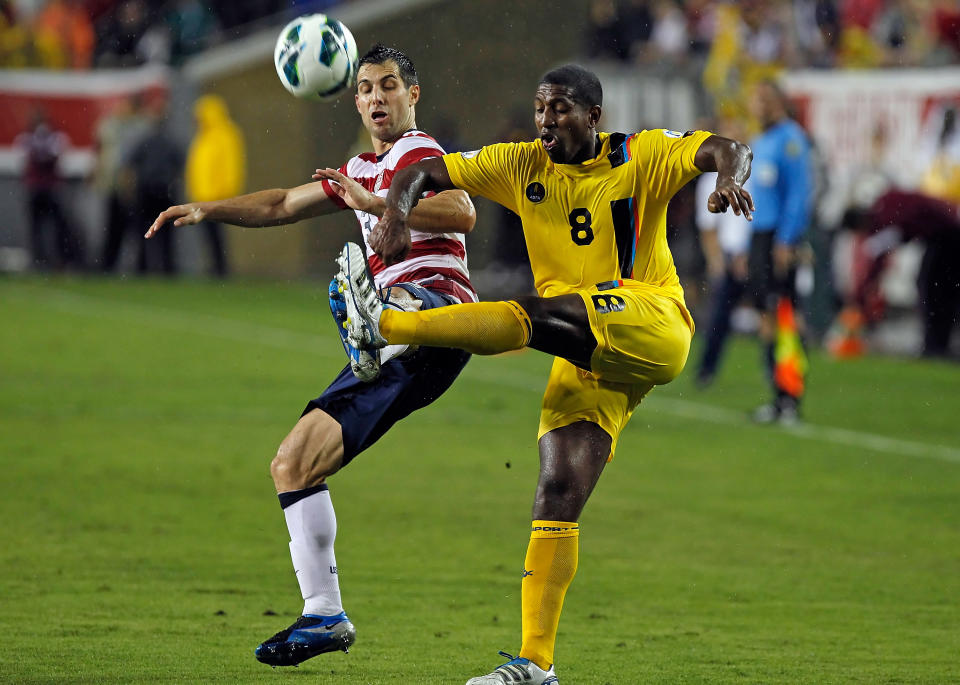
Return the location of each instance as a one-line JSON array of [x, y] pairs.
[[365, 411]]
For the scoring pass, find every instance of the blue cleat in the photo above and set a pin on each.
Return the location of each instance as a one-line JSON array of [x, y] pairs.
[[365, 364], [308, 637], [361, 299]]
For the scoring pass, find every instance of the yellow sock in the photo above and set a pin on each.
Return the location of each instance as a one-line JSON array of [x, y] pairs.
[[548, 570], [477, 327]]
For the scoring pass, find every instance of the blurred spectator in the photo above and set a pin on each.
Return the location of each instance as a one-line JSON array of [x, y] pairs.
[[941, 178], [669, 40], [701, 18], [782, 185], [156, 163], [14, 38], [128, 36], [946, 29], [64, 35], [191, 25], [902, 34], [604, 37], [725, 239], [216, 168], [117, 135], [750, 46], [861, 13], [818, 32], [751, 40], [865, 183], [43, 147], [636, 25], [237, 12], [896, 217]]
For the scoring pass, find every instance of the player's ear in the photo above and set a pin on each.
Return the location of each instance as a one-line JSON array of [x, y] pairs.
[[356, 99], [594, 114], [414, 94]]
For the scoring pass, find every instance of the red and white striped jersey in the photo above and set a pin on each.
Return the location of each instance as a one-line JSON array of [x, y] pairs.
[[436, 260]]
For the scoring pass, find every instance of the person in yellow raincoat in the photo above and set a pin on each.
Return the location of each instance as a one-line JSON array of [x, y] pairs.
[[216, 167]]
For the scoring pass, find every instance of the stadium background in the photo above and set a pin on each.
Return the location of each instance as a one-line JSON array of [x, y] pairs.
[[137, 416]]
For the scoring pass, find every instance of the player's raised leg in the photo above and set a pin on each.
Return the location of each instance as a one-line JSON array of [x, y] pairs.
[[365, 363], [310, 453], [555, 325]]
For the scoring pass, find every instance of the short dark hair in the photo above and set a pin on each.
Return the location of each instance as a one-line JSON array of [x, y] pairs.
[[585, 88], [380, 53]]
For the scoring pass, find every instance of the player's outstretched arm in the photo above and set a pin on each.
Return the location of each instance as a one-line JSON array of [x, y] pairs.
[[731, 160], [263, 208], [450, 211], [391, 237]]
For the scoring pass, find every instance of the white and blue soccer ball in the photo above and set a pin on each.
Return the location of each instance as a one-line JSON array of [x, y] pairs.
[[316, 57]]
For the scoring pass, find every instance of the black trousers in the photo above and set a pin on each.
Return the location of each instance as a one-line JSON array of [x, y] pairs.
[[60, 248], [724, 295], [939, 290]]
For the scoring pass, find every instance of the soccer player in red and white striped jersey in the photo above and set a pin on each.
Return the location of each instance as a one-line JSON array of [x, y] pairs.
[[350, 415], [437, 260]]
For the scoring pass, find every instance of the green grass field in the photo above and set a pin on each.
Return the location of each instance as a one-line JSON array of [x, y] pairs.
[[142, 541]]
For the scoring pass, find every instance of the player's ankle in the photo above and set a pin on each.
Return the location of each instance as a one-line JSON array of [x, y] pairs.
[[537, 659]]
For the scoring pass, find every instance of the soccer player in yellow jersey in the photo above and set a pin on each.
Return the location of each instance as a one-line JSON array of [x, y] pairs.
[[610, 307]]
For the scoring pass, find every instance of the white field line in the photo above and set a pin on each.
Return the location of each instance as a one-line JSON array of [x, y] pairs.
[[810, 431], [147, 315]]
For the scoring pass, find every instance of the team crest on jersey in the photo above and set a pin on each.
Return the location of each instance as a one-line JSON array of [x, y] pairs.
[[470, 155], [672, 134], [536, 192]]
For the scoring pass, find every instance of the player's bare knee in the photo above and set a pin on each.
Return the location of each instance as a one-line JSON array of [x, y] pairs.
[[559, 499], [286, 467], [555, 489]]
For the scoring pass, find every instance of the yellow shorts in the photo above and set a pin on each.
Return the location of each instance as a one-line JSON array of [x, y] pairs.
[[643, 338]]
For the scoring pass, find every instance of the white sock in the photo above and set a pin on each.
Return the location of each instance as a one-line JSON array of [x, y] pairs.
[[404, 304], [391, 352], [313, 528]]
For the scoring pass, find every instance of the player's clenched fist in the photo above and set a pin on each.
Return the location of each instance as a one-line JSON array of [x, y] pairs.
[[732, 195], [181, 215], [390, 239]]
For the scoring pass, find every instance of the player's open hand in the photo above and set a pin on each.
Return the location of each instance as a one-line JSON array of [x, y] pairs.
[[390, 239], [351, 192], [731, 194], [181, 215]]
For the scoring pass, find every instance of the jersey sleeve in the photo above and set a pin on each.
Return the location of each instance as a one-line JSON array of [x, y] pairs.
[[665, 159], [491, 171], [328, 189]]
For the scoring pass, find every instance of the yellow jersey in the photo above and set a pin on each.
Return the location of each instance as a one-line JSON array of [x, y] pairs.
[[598, 221]]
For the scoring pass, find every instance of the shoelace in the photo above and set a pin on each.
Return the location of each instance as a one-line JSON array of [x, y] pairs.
[[513, 668]]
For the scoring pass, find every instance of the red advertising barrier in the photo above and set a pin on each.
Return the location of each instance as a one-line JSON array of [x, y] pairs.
[[848, 111], [74, 102]]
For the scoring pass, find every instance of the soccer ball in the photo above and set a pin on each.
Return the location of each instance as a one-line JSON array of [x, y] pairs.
[[316, 57]]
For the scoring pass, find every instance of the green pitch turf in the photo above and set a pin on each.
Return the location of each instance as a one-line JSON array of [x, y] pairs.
[[142, 542]]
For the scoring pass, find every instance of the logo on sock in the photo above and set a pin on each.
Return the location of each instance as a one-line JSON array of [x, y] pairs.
[[333, 570], [526, 573]]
